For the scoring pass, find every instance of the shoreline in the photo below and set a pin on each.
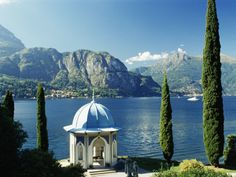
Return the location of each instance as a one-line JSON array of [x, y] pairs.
[[119, 97]]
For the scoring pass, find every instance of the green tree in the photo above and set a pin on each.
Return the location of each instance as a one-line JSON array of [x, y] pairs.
[[166, 136], [230, 151], [42, 133], [12, 138], [213, 116], [8, 105], [37, 163]]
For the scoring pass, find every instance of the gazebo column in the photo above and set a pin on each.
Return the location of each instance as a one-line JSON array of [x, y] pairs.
[[110, 147], [86, 160], [72, 149]]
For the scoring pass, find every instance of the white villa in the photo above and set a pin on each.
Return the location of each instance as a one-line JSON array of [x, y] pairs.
[[93, 136]]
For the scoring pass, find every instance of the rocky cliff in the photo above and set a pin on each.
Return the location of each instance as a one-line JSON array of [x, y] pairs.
[[184, 73], [77, 70], [9, 44]]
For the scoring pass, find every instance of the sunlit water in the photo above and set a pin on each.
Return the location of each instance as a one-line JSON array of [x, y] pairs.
[[139, 120]]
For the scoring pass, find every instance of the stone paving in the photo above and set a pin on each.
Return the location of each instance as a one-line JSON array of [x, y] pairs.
[[233, 174]]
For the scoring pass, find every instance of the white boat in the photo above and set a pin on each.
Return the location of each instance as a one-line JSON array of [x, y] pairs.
[[193, 99]]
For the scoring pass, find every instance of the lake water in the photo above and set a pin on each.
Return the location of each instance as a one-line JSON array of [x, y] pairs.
[[139, 120]]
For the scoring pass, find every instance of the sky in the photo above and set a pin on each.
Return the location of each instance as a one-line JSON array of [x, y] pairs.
[[124, 28]]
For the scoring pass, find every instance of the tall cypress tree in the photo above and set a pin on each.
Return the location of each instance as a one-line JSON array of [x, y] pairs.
[[8, 106], [166, 136], [42, 133], [12, 138], [213, 116]]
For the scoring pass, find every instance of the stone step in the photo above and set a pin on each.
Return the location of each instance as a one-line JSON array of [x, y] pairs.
[[101, 172]]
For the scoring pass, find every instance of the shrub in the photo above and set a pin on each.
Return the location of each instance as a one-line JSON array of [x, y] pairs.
[[230, 151], [191, 173], [119, 166], [202, 172], [107, 165], [167, 173], [36, 163], [73, 171], [190, 164]]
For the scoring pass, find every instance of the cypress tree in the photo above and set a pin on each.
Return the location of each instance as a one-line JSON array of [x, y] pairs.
[[166, 136], [42, 133], [12, 138], [8, 106], [213, 116]]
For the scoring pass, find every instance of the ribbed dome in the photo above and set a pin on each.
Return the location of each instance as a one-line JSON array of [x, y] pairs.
[[92, 117]]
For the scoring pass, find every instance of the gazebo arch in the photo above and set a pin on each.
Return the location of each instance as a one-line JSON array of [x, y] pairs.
[[80, 152], [95, 152]]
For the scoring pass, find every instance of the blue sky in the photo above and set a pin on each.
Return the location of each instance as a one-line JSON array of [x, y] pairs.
[[122, 27]]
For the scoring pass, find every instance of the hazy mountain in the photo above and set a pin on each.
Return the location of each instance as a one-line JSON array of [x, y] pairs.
[[9, 44], [184, 73]]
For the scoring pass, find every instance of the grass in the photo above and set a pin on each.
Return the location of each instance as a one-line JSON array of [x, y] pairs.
[[151, 164], [222, 168]]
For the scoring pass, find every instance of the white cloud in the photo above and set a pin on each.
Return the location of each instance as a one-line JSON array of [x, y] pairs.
[[5, 2], [180, 50], [146, 56]]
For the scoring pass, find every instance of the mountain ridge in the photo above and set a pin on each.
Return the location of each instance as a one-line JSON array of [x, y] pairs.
[[9, 44], [184, 73], [81, 69]]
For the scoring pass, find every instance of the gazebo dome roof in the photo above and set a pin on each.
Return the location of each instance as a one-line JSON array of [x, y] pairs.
[[92, 117]]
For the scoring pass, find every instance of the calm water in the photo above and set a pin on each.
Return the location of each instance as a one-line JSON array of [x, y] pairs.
[[139, 120]]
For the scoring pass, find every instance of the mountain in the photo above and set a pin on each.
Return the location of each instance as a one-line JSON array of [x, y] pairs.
[[184, 73], [9, 44], [77, 70]]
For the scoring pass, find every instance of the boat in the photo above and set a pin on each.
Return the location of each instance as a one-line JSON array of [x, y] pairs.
[[193, 99]]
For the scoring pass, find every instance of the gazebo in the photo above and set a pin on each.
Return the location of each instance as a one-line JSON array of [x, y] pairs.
[[93, 137]]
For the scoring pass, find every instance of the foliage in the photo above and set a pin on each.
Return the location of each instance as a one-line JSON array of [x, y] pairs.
[[8, 106], [73, 171], [42, 133], [12, 138], [166, 136], [190, 164], [230, 151], [61, 79], [191, 173], [22, 88], [37, 163], [151, 164], [213, 116], [120, 165]]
